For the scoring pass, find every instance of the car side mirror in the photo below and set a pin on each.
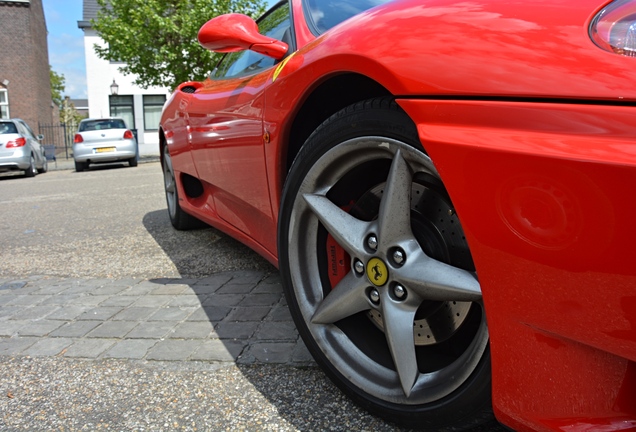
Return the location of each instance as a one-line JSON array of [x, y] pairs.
[[40, 137], [237, 32]]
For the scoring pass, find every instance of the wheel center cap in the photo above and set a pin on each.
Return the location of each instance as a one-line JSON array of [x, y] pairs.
[[377, 271]]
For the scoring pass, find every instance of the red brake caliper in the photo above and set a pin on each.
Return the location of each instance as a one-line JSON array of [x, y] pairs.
[[339, 260]]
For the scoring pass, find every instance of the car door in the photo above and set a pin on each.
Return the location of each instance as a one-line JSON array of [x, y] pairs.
[[225, 121]]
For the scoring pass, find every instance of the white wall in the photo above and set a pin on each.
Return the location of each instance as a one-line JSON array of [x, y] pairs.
[[99, 76]]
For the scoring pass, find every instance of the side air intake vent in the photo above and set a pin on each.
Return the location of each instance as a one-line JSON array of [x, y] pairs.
[[188, 89]]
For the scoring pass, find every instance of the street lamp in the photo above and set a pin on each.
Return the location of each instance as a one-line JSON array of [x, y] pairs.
[[114, 88]]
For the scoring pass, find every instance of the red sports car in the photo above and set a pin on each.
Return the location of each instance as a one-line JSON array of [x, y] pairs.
[[447, 188]]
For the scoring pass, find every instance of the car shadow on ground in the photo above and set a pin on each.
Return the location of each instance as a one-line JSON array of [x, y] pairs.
[[6, 177], [10, 175], [104, 166], [202, 252], [241, 296]]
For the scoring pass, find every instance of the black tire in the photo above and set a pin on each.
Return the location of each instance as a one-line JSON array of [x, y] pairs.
[[45, 166], [31, 171], [80, 166], [334, 202], [132, 162], [179, 219]]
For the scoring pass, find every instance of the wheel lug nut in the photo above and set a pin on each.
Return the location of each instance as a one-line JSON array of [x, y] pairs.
[[399, 257], [372, 242], [358, 266], [374, 295], [399, 291]]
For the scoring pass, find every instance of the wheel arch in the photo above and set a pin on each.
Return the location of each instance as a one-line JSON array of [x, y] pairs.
[[324, 100]]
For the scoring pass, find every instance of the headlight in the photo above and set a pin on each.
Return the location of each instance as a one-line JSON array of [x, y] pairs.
[[614, 28]]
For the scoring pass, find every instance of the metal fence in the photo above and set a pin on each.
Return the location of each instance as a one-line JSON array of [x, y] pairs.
[[59, 135]]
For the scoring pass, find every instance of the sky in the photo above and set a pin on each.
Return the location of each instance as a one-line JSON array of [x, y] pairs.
[[66, 44]]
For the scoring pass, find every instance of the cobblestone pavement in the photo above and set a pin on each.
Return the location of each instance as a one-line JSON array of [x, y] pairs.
[[229, 317], [208, 354]]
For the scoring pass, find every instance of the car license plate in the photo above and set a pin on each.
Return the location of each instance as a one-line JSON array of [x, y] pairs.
[[104, 149]]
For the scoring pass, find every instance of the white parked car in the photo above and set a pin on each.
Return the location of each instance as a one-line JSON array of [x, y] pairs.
[[103, 141], [20, 149]]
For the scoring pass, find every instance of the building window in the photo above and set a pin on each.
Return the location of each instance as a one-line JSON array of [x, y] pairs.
[[123, 107], [4, 104], [153, 104]]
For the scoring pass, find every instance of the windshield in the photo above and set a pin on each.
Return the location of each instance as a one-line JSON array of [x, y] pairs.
[[8, 128], [324, 14], [102, 124]]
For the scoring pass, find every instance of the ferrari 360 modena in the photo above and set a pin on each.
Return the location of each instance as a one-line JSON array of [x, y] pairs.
[[447, 188]]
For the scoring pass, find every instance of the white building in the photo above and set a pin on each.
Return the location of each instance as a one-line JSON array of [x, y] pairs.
[[140, 108]]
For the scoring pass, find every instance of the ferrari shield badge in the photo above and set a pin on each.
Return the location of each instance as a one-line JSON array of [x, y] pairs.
[[377, 271]]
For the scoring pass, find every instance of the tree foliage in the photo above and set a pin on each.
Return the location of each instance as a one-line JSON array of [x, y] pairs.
[[57, 86], [69, 114], [157, 39]]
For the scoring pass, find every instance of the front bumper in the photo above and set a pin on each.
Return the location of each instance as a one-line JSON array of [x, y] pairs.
[[105, 151], [544, 194]]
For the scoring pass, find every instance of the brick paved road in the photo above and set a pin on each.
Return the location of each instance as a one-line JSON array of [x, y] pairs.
[[228, 317]]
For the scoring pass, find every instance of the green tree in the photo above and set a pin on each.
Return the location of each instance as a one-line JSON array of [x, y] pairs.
[[157, 39], [57, 86], [69, 115]]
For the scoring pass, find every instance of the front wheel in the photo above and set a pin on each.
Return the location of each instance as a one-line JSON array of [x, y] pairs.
[[378, 274]]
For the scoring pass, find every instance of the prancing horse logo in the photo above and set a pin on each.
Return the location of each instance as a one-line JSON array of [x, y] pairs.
[[377, 272]]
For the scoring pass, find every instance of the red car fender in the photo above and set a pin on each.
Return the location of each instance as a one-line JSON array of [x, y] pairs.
[[543, 198]]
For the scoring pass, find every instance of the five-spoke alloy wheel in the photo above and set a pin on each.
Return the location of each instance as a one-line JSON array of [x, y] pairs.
[[378, 274]]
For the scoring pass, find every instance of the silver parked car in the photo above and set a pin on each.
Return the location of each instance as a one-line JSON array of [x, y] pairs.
[[20, 149], [103, 141]]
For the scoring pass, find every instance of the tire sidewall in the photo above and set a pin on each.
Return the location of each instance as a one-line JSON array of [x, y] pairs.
[[31, 171], [173, 211]]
